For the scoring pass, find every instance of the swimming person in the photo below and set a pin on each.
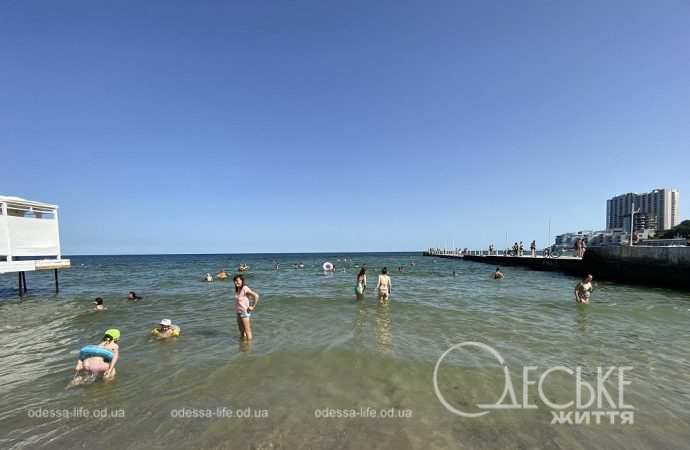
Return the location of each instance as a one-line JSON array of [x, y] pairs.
[[99, 359], [498, 275], [166, 329], [583, 290], [384, 286], [222, 275], [243, 307], [99, 304], [132, 296], [361, 282]]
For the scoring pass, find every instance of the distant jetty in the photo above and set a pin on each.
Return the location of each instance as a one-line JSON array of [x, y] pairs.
[[649, 265]]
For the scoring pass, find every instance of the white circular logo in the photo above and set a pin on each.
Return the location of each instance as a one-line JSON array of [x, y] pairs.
[[481, 346]]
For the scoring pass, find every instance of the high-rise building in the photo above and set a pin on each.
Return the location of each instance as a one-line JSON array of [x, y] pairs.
[[660, 209]]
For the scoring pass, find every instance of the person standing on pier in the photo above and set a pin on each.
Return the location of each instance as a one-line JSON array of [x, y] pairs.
[[583, 248], [578, 246], [521, 249], [533, 248]]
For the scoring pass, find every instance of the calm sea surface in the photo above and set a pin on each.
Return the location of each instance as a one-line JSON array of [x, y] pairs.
[[318, 352]]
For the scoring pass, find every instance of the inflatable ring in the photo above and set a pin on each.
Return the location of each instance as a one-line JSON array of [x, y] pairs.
[[91, 351], [327, 266]]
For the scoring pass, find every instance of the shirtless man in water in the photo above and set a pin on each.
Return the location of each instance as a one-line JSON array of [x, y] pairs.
[[383, 286], [583, 290]]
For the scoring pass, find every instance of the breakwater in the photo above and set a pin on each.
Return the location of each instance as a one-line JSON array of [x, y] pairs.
[[563, 264], [652, 266]]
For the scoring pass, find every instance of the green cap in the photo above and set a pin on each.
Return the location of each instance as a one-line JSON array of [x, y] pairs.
[[114, 333]]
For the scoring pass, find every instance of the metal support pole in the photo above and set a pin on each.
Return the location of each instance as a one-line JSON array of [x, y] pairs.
[[57, 283], [24, 281], [21, 289]]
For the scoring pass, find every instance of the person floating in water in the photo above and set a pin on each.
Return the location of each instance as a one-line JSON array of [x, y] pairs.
[[132, 296], [99, 304], [384, 286], [498, 275], [361, 282], [243, 267], [99, 359], [244, 307], [583, 290], [222, 275], [208, 278], [166, 329]]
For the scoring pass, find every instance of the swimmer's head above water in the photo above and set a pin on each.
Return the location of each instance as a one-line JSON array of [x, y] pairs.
[[111, 335]]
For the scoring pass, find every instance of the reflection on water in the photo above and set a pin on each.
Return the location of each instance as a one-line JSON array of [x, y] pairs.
[[245, 346], [582, 318], [360, 322], [384, 328]]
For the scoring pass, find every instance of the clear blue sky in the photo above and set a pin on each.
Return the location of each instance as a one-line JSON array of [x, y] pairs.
[[256, 126]]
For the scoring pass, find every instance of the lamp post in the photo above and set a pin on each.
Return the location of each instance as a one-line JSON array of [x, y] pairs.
[[632, 221]]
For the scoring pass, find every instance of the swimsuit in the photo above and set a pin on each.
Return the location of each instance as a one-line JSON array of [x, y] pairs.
[[242, 303]]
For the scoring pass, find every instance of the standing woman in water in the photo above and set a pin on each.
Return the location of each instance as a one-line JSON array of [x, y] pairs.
[[244, 307], [361, 282], [383, 286]]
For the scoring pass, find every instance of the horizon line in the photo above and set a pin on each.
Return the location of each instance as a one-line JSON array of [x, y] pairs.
[[240, 253]]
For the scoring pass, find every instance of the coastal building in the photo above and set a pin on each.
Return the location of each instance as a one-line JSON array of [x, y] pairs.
[[617, 236], [567, 240], [673, 242], [29, 238], [660, 210]]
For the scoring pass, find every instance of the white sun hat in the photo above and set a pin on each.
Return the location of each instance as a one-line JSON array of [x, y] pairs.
[[166, 322]]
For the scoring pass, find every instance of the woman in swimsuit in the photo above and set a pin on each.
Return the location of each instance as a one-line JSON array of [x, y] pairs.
[[384, 286], [361, 283], [583, 290], [244, 307]]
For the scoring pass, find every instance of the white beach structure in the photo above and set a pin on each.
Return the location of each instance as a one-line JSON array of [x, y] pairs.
[[29, 238]]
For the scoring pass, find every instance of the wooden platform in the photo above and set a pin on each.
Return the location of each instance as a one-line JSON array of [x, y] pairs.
[[34, 265]]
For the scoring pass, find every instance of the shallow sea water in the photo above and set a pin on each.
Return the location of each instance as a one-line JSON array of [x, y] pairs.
[[318, 352]]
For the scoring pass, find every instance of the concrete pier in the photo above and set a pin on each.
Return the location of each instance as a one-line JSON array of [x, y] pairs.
[[654, 266], [648, 265], [567, 264]]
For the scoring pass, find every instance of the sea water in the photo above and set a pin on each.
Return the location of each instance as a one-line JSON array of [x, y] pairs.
[[328, 371]]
